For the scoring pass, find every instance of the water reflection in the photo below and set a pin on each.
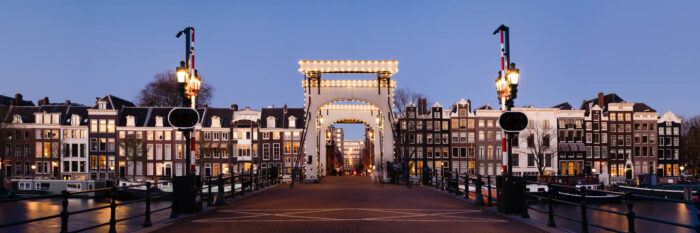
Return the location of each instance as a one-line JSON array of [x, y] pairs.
[[17, 211], [674, 212]]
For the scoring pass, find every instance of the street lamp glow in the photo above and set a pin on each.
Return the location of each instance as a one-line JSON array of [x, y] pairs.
[[378, 120], [593, 170], [682, 168], [514, 76], [33, 166], [181, 73], [501, 85]]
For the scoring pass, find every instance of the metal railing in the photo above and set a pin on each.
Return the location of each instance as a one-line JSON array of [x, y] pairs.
[[629, 198], [481, 183], [248, 182], [65, 214]]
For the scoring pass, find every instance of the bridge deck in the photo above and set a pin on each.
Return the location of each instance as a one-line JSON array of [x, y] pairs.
[[349, 204]]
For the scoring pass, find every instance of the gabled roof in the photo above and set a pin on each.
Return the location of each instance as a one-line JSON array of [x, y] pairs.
[[76, 110], [140, 116], [564, 106], [281, 117], [25, 112], [485, 107], [609, 98], [155, 112], [115, 103], [669, 116], [7, 101], [225, 114], [642, 107]]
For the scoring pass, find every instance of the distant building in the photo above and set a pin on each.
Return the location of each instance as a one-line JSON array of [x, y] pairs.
[[669, 127]]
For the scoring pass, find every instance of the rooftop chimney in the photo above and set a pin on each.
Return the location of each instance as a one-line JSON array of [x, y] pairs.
[[234, 107], [601, 100], [67, 102], [18, 100], [44, 101]]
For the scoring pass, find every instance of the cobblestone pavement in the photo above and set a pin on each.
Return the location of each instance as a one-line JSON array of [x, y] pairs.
[[349, 204]]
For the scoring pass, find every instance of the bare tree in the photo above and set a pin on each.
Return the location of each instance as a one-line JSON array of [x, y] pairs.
[[690, 143], [163, 91], [135, 150], [404, 96], [540, 138]]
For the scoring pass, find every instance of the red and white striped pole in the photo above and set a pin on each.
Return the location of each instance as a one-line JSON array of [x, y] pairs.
[[504, 147]]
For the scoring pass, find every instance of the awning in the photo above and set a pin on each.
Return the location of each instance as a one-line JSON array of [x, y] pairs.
[[581, 147], [223, 145], [564, 147]]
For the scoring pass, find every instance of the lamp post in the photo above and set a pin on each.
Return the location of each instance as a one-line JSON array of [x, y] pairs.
[[381, 147], [33, 173], [507, 89], [189, 83]]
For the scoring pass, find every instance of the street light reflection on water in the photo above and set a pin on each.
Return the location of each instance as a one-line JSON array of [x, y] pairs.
[[24, 210]]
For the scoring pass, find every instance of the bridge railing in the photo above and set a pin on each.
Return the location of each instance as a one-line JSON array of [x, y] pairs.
[[584, 207], [237, 184], [480, 184], [65, 214]]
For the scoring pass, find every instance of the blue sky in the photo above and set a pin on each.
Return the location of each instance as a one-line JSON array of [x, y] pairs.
[[566, 50]]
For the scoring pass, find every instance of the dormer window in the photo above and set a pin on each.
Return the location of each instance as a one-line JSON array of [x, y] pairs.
[[16, 119], [159, 121], [55, 118], [102, 105], [130, 121], [38, 118], [271, 122], [292, 122], [215, 122], [75, 119]]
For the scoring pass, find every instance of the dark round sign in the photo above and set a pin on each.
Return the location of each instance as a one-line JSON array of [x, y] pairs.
[[513, 121], [183, 118]]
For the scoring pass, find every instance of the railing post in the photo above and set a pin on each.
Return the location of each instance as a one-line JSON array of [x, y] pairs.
[[220, 195], [525, 199], [466, 186], [550, 202], [584, 214], [479, 196], [488, 179], [209, 198], [630, 213], [113, 211], [697, 213], [147, 217], [173, 211], [64, 212]]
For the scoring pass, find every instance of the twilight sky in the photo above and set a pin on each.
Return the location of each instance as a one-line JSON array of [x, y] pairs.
[[566, 50]]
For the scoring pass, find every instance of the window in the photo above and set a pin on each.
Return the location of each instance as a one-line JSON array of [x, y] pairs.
[[159, 151], [463, 137], [276, 151], [207, 135], [516, 160], [481, 135], [481, 152], [530, 160], [266, 151], [471, 137], [168, 152], [150, 152], [93, 126], [530, 140]]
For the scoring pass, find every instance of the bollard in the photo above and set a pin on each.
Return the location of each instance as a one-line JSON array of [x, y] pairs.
[[209, 198], [113, 212], [525, 199], [479, 198], [630, 213], [550, 202], [466, 186], [488, 179], [147, 217], [64, 212], [220, 195], [584, 215], [173, 212]]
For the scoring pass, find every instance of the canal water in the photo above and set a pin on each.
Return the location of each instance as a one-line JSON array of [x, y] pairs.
[[23, 210], [675, 212]]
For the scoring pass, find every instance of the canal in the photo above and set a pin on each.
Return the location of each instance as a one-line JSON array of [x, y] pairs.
[[23, 210], [675, 212]]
